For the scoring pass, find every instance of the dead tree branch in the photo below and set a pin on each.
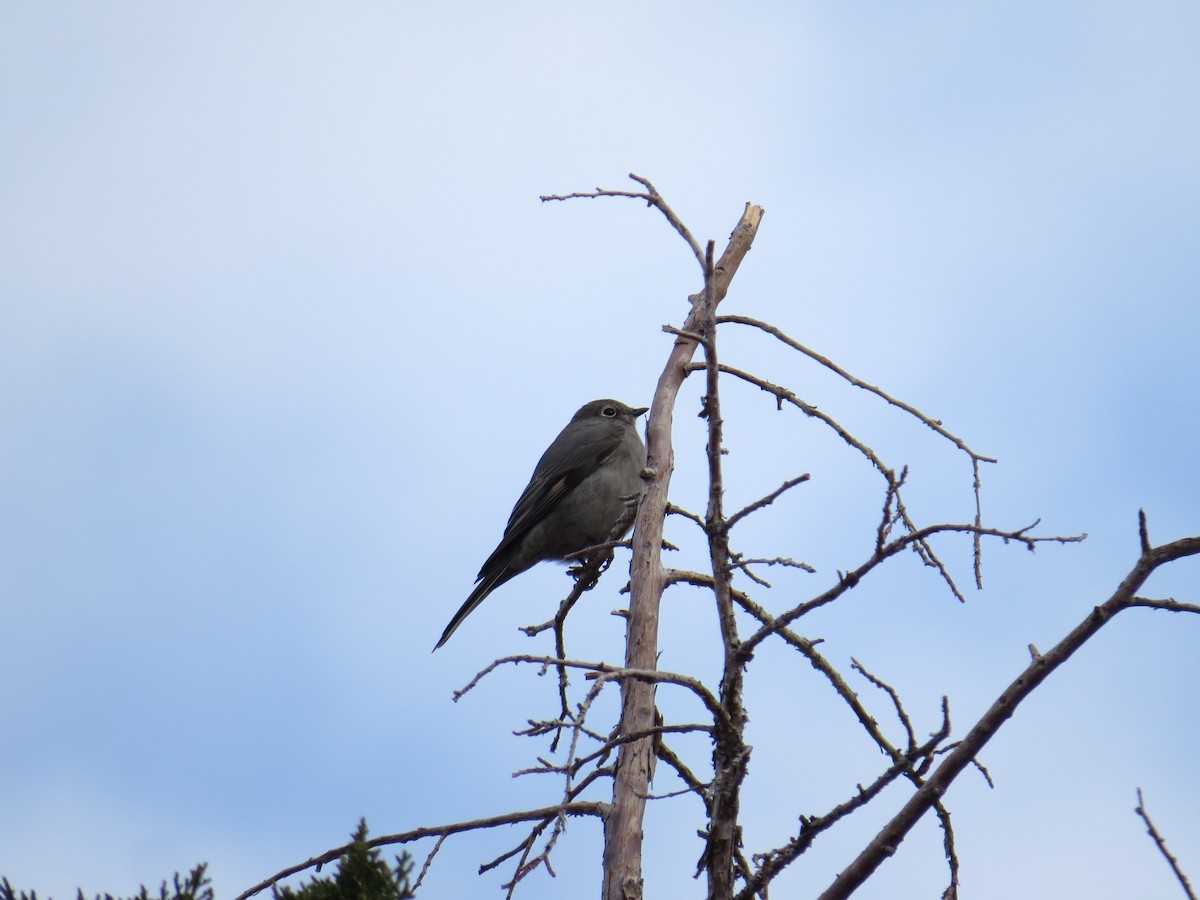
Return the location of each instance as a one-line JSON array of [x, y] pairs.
[[652, 198], [889, 838], [935, 424], [439, 831], [639, 739], [731, 754], [783, 395], [623, 825], [608, 673], [849, 580], [773, 862], [595, 560], [1158, 838], [768, 499]]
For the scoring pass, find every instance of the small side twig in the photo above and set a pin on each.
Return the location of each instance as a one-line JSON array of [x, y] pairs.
[[884, 844], [673, 510], [582, 808], [849, 580], [595, 560], [652, 198], [1158, 838], [767, 500], [934, 424], [891, 692], [773, 861], [610, 673]]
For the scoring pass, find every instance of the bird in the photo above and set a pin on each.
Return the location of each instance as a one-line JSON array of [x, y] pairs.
[[573, 501]]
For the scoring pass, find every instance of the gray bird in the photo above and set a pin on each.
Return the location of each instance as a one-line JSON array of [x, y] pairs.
[[573, 499]]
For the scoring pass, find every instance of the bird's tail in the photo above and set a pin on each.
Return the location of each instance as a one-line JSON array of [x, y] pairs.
[[486, 585]]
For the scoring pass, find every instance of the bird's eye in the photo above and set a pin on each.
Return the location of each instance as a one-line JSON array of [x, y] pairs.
[[609, 412]]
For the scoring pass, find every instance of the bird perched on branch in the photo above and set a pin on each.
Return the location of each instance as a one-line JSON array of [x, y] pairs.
[[574, 499]]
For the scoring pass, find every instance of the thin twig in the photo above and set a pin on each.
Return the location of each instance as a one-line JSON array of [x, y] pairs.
[[767, 500], [808, 648], [580, 808], [699, 788], [737, 561], [610, 673], [596, 561], [851, 579], [673, 510], [891, 692], [774, 861], [619, 739], [429, 861], [783, 395], [935, 424], [652, 198], [884, 844], [1158, 838], [1168, 604]]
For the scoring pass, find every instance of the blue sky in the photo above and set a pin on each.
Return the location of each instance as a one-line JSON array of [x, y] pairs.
[[284, 328]]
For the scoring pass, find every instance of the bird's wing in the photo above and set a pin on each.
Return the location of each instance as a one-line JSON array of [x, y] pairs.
[[575, 454], [579, 450]]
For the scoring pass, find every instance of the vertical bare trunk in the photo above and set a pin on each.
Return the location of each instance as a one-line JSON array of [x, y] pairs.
[[730, 752], [623, 827]]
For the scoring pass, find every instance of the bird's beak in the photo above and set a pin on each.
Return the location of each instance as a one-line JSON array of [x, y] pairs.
[[637, 412]]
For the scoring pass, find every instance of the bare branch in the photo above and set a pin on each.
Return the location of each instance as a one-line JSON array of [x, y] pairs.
[[429, 861], [1169, 604], [673, 510], [891, 692], [695, 785], [783, 395], [951, 892], [527, 866], [617, 739], [935, 424], [851, 579], [730, 752], [737, 561], [608, 673], [774, 861], [586, 577], [693, 336], [652, 198], [808, 648], [767, 500], [638, 739], [596, 561], [583, 808], [978, 554], [891, 509], [889, 838], [623, 827], [1158, 839]]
